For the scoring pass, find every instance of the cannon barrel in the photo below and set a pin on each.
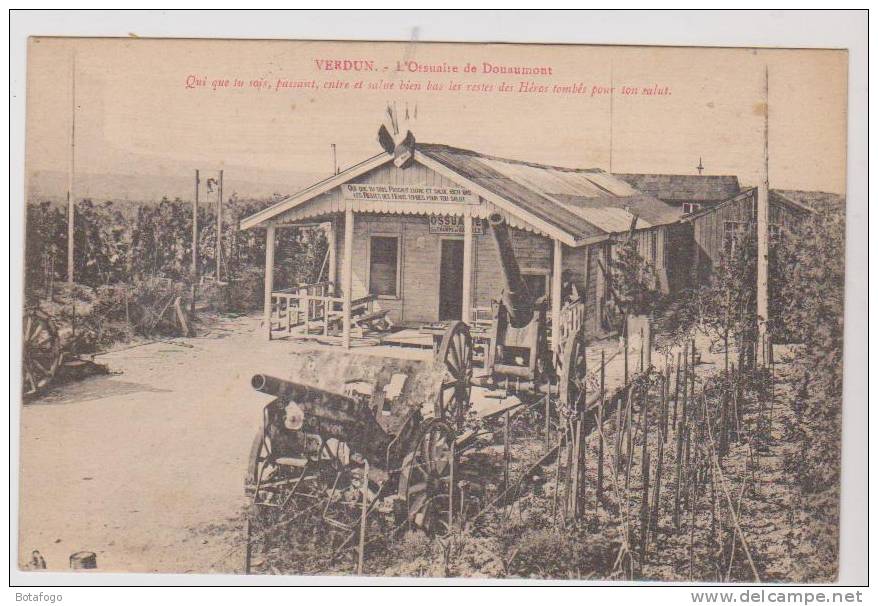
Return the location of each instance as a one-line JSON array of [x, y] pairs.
[[517, 299], [330, 414], [314, 401]]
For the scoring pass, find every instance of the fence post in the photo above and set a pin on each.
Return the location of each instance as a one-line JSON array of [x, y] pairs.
[[676, 390], [548, 412], [361, 556], [644, 507], [506, 457], [600, 487]]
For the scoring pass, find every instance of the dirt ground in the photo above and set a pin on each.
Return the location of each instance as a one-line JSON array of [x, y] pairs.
[[145, 466]]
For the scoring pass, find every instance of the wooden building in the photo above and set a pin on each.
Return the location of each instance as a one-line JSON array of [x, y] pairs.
[[715, 229], [409, 241], [691, 193]]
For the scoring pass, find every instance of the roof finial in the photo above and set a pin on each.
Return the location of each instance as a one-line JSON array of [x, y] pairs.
[[700, 166]]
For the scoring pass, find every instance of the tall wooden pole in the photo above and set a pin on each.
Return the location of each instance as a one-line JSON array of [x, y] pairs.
[[556, 296], [347, 275], [219, 227], [331, 241], [762, 216], [195, 242], [269, 278], [467, 265], [71, 197]]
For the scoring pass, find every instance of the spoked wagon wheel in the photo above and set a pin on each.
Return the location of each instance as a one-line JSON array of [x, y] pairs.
[[282, 490], [425, 482], [42, 351], [456, 354], [573, 376]]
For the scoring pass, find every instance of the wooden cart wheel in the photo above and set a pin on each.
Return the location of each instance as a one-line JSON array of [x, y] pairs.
[[572, 379], [42, 351], [456, 353], [426, 476]]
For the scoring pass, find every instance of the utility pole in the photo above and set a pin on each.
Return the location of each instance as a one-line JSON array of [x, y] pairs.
[[219, 227], [611, 117], [195, 243], [71, 197], [762, 244]]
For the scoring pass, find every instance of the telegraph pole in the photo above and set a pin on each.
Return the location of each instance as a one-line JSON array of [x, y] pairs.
[[71, 197], [219, 226], [194, 271], [762, 215]]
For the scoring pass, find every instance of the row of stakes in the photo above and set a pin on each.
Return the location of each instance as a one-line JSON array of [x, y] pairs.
[[699, 440]]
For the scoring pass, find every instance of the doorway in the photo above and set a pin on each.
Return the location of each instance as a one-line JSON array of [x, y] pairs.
[[451, 280]]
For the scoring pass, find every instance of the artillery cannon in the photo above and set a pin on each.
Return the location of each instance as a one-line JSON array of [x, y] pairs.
[[353, 426], [518, 354], [518, 347]]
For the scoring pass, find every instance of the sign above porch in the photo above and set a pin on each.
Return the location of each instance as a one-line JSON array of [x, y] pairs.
[[453, 225], [408, 193]]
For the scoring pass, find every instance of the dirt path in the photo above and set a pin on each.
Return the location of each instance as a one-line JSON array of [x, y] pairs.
[[145, 467]]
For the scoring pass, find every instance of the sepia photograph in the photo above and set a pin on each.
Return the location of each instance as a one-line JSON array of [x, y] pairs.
[[432, 310]]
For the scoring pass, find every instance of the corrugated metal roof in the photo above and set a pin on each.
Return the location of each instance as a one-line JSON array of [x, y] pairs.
[[471, 166], [583, 202], [684, 188], [648, 212]]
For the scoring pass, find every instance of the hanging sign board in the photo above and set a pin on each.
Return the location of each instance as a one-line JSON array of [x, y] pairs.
[[452, 225], [408, 193]]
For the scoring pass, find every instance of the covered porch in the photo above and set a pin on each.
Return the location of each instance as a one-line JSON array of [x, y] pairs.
[[388, 278]]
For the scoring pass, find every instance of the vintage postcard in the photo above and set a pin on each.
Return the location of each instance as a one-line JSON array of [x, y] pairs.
[[433, 310]]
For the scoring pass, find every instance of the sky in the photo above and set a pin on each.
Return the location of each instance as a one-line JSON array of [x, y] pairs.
[[135, 114]]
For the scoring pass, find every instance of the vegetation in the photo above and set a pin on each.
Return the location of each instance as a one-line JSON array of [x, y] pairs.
[[129, 258]]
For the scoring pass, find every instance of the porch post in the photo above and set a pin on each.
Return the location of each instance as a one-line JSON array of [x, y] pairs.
[[556, 295], [269, 278], [347, 275], [332, 252], [467, 265]]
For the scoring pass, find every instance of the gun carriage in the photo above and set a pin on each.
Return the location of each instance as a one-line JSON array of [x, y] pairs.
[[379, 435], [519, 356]]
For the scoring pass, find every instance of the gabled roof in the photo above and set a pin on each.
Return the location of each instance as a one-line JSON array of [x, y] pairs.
[[684, 188], [574, 205]]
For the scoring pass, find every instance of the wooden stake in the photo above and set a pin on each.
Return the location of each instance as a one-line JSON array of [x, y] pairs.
[[506, 455], [618, 436], [363, 511], [644, 507], [676, 390], [629, 441], [451, 491], [600, 426], [678, 479], [685, 393], [656, 498], [548, 411]]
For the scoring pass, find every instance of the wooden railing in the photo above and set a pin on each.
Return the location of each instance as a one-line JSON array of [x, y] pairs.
[[572, 318], [314, 306]]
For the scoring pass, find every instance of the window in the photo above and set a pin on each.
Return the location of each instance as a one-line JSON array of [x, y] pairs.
[[383, 266], [653, 247], [734, 235], [690, 207]]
